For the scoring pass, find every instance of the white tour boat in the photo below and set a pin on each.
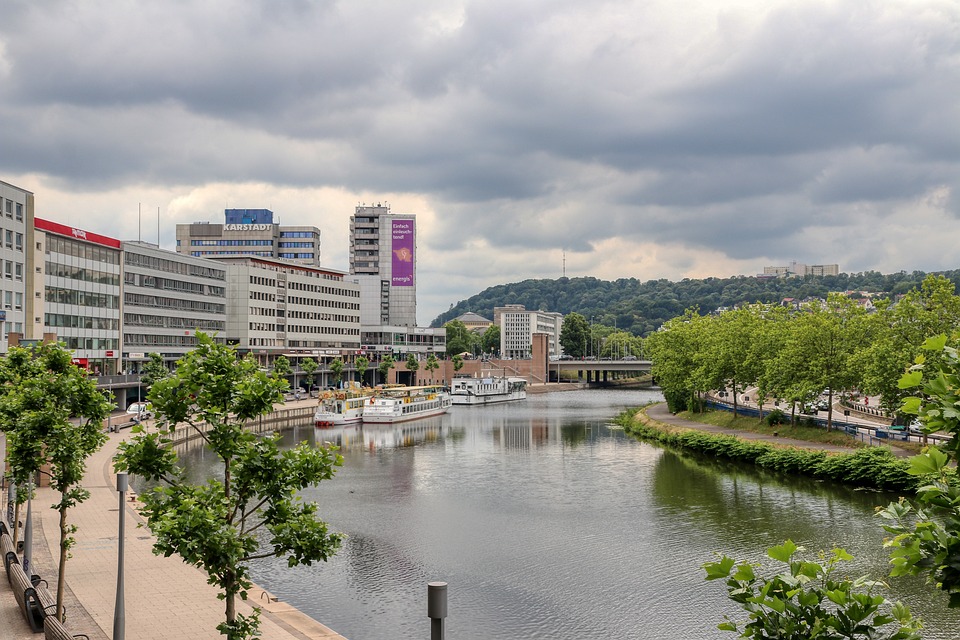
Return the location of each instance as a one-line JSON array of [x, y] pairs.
[[477, 391], [340, 407], [398, 404]]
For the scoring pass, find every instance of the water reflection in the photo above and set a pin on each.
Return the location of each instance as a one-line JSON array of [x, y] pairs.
[[548, 524]]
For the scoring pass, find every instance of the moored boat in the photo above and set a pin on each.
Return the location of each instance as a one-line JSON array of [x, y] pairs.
[[340, 407], [399, 404], [489, 390]]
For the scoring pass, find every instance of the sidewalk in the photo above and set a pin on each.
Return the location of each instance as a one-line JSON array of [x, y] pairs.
[[164, 598]]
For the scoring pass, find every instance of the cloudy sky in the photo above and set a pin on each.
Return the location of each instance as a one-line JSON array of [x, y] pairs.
[[532, 138]]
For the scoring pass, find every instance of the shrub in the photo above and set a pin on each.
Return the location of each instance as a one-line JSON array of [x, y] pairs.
[[776, 417]]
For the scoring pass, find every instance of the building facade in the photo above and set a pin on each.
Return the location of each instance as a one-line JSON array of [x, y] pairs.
[[16, 217], [75, 293], [383, 262], [167, 297], [250, 232], [278, 308], [799, 269], [400, 341], [518, 327]]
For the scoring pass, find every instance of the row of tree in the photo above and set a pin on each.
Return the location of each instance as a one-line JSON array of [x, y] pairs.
[[796, 355]]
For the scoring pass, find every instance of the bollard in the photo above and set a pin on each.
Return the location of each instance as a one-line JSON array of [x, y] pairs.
[[436, 608], [119, 615]]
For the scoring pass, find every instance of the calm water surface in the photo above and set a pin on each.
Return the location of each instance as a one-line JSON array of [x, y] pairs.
[[547, 523]]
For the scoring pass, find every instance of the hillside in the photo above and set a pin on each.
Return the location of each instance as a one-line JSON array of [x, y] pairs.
[[641, 307]]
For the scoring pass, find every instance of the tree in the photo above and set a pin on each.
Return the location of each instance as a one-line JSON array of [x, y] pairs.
[[674, 352], [457, 361], [218, 525], [310, 366], [336, 368], [431, 366], [153, 369], [362, 364], [281, 366], [412, 365], [459, 338], [926, 533], [574, 335], [386, 363], [42, 394], [808, 601], [490, 340]]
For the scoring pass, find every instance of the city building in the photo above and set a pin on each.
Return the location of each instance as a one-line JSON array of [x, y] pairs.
[[250, 232], [400, 341], [519, 326], [474, 322], [167, 297], [74, 293], [275, 307], [383, 261], [16, 218], [798, 269]]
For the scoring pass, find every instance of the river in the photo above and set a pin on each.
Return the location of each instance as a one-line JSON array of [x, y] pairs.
[[546, 522]]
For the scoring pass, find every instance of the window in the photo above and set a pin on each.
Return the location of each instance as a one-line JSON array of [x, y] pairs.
[[8, 300], [8, 269], [18, 305], [19, 211], [9, 208], [19, 270], [8, 236], [19, 244]]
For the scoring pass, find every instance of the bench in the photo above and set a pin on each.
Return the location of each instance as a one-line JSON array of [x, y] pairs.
[[9, 553], [53, 629], [34, 600]]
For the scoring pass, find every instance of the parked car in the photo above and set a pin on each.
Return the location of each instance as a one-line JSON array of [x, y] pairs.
[[139, 411]]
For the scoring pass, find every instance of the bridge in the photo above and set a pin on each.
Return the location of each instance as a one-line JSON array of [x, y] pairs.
[[596, 368]]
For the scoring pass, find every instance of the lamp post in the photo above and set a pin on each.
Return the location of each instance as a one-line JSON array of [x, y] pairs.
[[118, 612]]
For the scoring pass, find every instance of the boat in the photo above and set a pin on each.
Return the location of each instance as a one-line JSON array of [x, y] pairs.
[[341, 407], [401, 403], [478, 391]]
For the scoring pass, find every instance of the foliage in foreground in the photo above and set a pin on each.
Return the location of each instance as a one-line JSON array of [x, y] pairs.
[[808, 601], [216, 525], [875, 467]]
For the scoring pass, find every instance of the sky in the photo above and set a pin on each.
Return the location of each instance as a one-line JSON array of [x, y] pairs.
[[639, 139]]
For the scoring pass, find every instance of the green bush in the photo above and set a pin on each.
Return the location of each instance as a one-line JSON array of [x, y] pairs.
[[776, 417]]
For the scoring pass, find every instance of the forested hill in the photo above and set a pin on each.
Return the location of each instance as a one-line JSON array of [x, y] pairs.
[[641, 307]]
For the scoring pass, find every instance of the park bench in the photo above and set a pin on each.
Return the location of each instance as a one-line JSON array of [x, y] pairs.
[[9, 552], [53, 629], [34, 600]]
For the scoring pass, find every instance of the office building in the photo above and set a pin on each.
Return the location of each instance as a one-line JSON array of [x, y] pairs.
[[799, 269], [250, 232], [16, 217], [518, 327], [383, 261]]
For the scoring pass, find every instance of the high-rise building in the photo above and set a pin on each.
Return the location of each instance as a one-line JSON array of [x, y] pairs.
[[518, 327], [383, 261], [250, 232], [16, 217]]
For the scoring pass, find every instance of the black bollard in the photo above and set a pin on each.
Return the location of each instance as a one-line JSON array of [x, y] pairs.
[[436, 608]]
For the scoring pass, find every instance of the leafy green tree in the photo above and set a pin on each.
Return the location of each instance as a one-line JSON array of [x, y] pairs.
[[412, 366], [431, 365], [281, 366], [218, 525], [675, 353], [809, 601], [310, 366], [926, 531], [457, 361], [575, 335], [459, 338], [41, 394], [386, 363], [153, 369], [362, 364], [490, 340], [725, 358], [336, 368]]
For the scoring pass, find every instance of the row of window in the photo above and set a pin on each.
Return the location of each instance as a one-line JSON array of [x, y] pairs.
[[262, 254], [91, 344], [12, 270], [295, 256], [177, 304], [295, 245], [299, 234], [263, 282], [173, 266], [331, 291], [80, 322], [166, 322], [59, 270], [231, 243], [154, 340], [10, 209], [13, 240], [68, 247], [82, 298], [279, 328], [323, 302], [314, 315], [169, 284]]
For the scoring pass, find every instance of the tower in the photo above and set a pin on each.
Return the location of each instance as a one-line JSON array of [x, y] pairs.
[[383, 250]]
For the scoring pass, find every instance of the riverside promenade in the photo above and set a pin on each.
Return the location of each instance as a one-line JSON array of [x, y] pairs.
[[164, 598]]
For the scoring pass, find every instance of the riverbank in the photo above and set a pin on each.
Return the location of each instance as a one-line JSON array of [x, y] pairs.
[[164, 597]]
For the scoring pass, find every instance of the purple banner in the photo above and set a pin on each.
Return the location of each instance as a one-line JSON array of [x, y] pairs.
[[403, 257]]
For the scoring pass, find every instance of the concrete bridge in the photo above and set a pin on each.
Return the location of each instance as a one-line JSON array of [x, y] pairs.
[[598, 369]]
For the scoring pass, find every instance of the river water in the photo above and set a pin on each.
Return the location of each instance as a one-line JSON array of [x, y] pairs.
[[546, 522]]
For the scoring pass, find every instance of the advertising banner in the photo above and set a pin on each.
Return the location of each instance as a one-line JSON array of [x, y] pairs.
[[403, 258]]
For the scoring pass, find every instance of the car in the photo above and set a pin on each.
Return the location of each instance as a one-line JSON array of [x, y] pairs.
[[629, 357], [139, 411], [915, 428]]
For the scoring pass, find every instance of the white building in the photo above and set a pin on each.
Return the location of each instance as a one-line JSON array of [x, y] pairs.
[[278, 308], [799, 269], [250, 232], [518, 326], [383, 262], [16, 217], [167, 297]]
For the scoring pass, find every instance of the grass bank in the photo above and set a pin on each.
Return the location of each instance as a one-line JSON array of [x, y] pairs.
[[870, 467]]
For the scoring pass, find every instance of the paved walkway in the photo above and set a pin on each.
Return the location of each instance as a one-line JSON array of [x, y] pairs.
[[164, 598]]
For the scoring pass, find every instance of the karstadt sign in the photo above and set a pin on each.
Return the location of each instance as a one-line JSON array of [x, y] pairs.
[[247, 227]]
